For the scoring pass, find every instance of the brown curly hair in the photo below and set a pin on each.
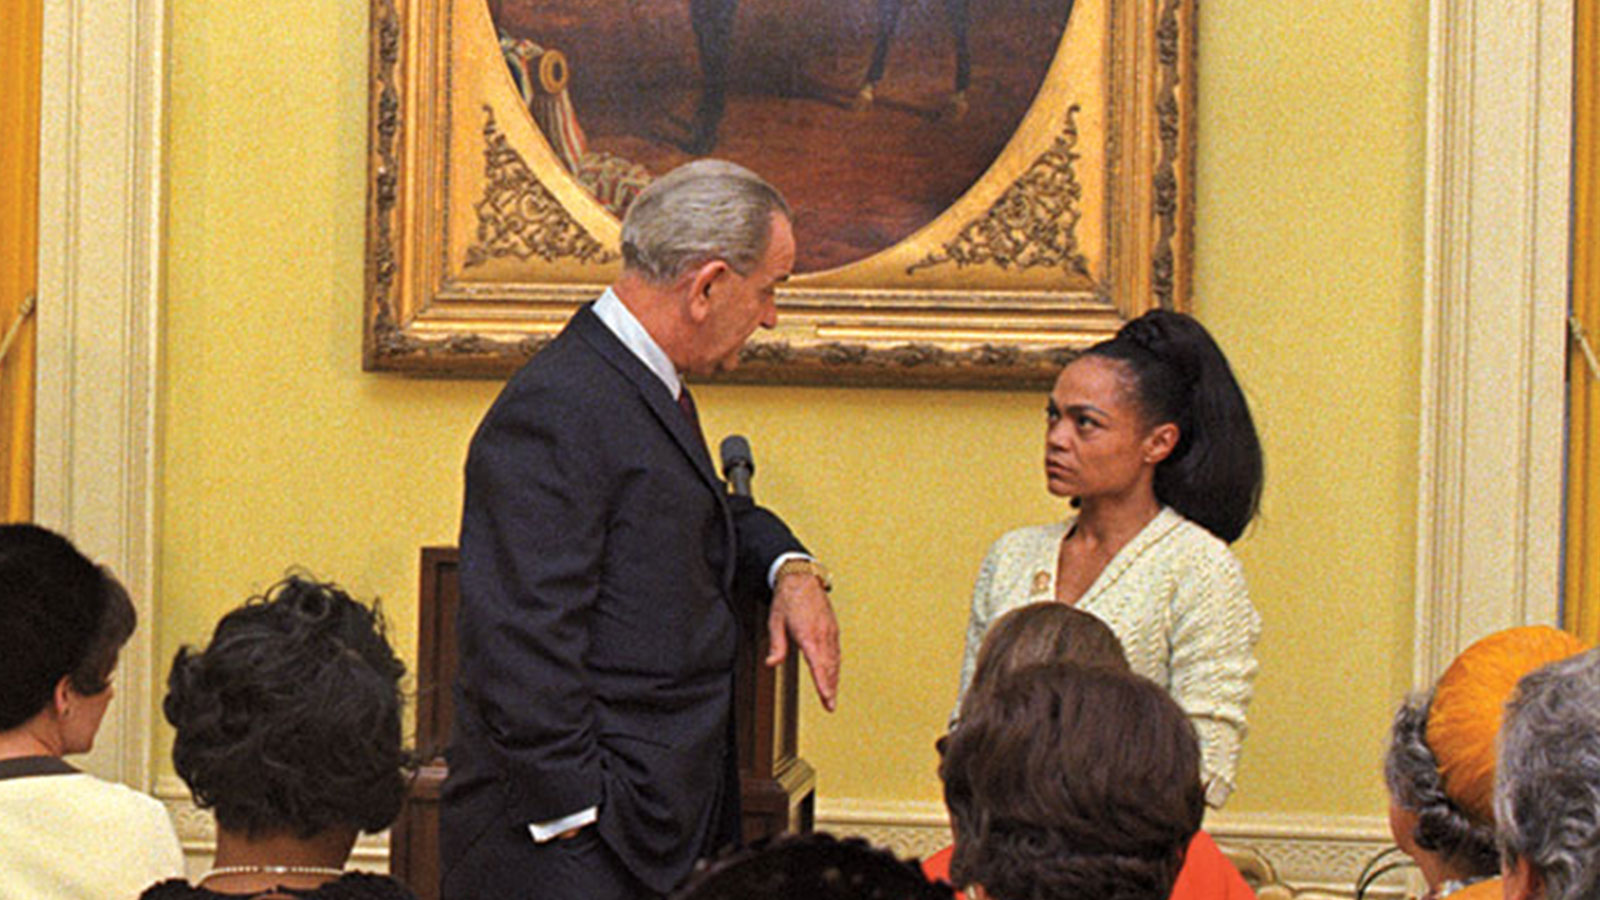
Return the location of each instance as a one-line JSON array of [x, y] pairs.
[[1070, 782]]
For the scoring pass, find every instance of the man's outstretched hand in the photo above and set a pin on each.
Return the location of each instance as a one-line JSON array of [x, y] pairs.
[[801, 612]]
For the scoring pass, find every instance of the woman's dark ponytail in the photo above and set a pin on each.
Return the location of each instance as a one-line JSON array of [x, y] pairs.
[[1213, 475]]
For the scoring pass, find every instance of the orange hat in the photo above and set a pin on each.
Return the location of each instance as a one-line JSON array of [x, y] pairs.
[[1464, 717]]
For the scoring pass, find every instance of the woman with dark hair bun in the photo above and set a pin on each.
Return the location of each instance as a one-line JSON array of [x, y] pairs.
[[288, 728], [1150, 437], [65, 834]]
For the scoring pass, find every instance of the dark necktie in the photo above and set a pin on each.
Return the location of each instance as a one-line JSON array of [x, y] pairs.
[[686, 403]]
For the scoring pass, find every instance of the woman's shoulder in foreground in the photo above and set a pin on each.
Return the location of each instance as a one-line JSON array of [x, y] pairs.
[[108, 800]]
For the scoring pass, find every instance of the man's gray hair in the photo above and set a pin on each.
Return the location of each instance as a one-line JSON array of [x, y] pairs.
[[704, 210], [1547, 789]]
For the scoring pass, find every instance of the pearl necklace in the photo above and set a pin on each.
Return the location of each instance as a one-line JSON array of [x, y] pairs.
[[268, 870]]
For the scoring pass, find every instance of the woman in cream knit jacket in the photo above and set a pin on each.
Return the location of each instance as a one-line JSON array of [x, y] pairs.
[[1151, 438]]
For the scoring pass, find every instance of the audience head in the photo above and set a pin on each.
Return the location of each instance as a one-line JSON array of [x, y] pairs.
[[1547, 798], [1040, 634], [1440, 766], [1072, 782], [811, 867], [288, 722], [1175, 373], [704, 210], [65, 620]]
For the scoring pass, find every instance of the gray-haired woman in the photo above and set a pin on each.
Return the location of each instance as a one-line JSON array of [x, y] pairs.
[[1548, 793]]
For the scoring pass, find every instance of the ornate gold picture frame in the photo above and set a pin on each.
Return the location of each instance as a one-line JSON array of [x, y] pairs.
[[482, 241]]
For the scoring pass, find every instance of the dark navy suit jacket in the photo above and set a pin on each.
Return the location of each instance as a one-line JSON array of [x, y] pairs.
[[599, 561]]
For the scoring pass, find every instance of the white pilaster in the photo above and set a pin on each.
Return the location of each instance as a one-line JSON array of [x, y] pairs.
[[1493, 397], [100, 157]]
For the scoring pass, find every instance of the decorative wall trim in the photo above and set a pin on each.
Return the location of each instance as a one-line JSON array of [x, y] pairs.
[[100, 160], [1495, 297], [197, 832], [1323, 853]]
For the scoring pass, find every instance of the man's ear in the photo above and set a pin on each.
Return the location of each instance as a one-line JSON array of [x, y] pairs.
[[1159, 443], [700, 281]]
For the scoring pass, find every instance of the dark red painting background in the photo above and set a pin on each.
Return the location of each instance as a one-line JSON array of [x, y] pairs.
[[859, 180]]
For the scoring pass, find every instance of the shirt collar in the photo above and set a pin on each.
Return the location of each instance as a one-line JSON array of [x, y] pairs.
[[622, 323], [26, 766]]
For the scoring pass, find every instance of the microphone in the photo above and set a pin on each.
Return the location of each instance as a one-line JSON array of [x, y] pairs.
[[737, 464]]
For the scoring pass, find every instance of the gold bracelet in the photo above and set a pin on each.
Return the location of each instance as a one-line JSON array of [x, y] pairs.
[[805, 567]]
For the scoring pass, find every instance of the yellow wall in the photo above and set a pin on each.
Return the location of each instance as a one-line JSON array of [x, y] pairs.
[[278, 450]]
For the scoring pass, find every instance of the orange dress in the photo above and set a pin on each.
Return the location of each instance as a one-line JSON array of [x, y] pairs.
[[1489, 889], [1206, 873]]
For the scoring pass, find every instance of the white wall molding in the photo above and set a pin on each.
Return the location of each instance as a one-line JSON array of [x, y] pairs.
[[197, 832], [1494, 307], [100, 153], [1322, 853], [908, 828]]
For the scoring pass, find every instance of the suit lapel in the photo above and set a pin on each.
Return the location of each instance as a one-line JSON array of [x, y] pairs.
[[651, 390], [666, 410]]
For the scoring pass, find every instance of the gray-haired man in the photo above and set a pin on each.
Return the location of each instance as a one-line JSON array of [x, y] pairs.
[[599, 558]]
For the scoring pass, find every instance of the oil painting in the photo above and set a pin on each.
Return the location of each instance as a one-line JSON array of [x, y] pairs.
[[979, 189]]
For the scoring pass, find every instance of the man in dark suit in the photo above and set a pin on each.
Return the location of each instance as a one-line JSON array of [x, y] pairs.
[[600, 559]]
